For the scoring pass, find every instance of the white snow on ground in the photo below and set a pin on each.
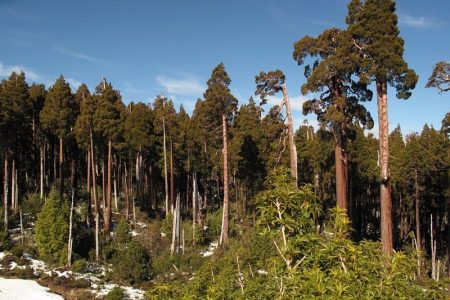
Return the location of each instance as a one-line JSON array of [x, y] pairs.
[[134, 233], [141, 224], [20, 289], [13, 292], [133, 294], [210, 251]]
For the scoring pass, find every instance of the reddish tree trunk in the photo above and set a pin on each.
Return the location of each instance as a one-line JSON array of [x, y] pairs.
[[385, 180], [88, 189], [226, 213], [5, 191], [108, 190], [340, 156], [61, 158]]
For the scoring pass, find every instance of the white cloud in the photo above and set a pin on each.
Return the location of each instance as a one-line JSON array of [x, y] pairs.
[[69, 52], [296, 102], [73, 83], [129, 89], [188, 85], [6, 70], [418, 22]]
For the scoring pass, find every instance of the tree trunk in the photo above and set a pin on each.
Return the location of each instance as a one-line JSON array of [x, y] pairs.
[[225, 216], [418, 234], [194, 206], [41, 173], [108, 190], [290, 128], [385, 180], [88, 189], [127, 197], [5, 191], [340, 157], [166, 183], [70, 242], [94, 190], [61, 157], [172, 187], [13, 183]]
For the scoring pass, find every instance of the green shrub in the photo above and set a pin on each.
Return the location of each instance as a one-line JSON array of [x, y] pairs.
[[52, 228], [79, 266], [122, 232], [130, 263], [115, 294]]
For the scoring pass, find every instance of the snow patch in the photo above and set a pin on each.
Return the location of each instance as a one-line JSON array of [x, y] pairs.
[[213, 246], [132, 293], [20, 289]]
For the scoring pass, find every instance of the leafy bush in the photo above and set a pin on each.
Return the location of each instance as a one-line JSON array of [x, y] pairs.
[[115, 294], [129, 258], [79, 266], [52, 228], [130, 264]]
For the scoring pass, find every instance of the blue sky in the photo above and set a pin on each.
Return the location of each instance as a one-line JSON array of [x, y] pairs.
[[150, 47]]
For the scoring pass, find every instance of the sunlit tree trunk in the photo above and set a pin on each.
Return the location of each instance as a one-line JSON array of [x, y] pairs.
[[5, 191], [94, 190], [61, 158], [385, 180], [290, 127], [226, 213]]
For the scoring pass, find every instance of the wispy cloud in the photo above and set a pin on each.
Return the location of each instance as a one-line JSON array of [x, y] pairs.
[[69, 52], [188, 85], [417, 22], [73, 83], [296, 102], [6, 70], [129, 89]]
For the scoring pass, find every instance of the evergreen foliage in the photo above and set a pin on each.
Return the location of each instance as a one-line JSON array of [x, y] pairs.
[[52, 229]]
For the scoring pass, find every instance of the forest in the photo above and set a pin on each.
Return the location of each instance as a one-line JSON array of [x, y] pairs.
[[102, 199]]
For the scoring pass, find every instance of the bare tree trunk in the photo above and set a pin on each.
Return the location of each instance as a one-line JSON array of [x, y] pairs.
[[175, 246], [226, 214], [433, 250], [5, 191], [69, 248], [116, 204], [194, 206], [166, 183], [127, 200], [16, 192], [290, 127], [13, 184], [418, 234], [172, 187], [108, 190], [61, 158], [41, 173], [340, 157], [94, 190], [385, 180], [88, 189]]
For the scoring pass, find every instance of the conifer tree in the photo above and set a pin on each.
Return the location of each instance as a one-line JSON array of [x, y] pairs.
[[375, 36], [108, 126], [440, 78], [220, 106], [268, 84], [58, 117], [338, 105]]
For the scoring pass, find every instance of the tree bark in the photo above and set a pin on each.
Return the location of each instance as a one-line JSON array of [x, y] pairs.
[[340, 156], [172, 187], [290, 128], [88, 189], [41, 173], [166, 183], [13, 184], [5, 191], [385, 180], [94, 190], [127, 197], [61, 158], [108, 190], [70, 242], [226, 214]]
